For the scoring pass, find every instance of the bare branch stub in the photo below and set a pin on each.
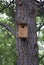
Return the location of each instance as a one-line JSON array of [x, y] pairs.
[[20, 3]]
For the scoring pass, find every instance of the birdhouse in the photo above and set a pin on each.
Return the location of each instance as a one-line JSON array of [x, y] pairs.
[[22, 30]]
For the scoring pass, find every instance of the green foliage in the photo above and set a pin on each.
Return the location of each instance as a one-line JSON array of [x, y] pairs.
[[40, 37], [8, 53], [7, 48]]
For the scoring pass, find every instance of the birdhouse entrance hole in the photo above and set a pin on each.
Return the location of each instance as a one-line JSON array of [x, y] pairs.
[[22, 26], [22, 30]]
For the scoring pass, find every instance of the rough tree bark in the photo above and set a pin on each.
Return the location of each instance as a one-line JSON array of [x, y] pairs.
[[27, 49]]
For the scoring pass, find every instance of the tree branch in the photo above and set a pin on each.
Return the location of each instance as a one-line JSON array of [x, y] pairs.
[[36, 1], [41, 25], [8, 28], [7, 6], [41, 58], [40, 4]]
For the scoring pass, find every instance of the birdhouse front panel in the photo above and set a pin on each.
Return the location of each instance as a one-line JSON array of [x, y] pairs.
[[22, 30]]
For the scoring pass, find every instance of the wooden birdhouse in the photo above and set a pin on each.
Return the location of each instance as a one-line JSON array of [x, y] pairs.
[[22, 30]]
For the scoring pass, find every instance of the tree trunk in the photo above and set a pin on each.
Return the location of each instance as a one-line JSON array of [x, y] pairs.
[[27, 48]]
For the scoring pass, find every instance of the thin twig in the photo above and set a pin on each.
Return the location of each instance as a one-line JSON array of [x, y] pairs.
[[8, 28], [40, 26], [7, 6], [41, 58]]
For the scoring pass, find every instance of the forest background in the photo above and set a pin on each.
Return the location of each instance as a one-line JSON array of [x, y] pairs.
[[8, 50]]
